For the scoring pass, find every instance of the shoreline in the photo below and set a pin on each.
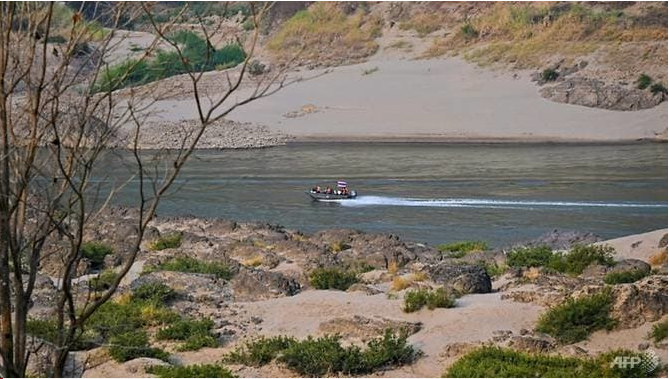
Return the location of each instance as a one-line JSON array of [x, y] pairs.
[[450, 140]]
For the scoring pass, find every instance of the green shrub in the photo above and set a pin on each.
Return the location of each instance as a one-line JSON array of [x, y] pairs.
[[103, 281], [195, 266], [48, 331], [261, 351], [537, 256], [332, 278], [256, 68], [415, 300], [190, 371], [56, 39], [183, 329], [575, 319], [658, 88], [659, 332], [130, 345], [581, 256], [325, 355], [195, 333], [462, 248], [468, 31], [573, 262], [113, 318], [549, 75], [496, 362], [630, 276], [643, 81], [197, 342], [170, 241], [95, 252], [154, 291]]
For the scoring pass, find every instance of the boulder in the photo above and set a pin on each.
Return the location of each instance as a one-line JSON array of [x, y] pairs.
[[463, 278], [251, 285], [364, 328], [630, 265], [562, 239], [637, 303], [531, 344], [597, 94], [139, 365]]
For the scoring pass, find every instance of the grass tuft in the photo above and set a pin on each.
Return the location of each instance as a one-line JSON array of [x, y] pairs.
[[195, 266], [169, 241], [191, 371], [332, 278], [417, 299], [630, 276]]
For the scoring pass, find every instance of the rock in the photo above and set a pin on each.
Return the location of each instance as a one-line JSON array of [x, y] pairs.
[[501, 335], [663, 241], [630, 265], [531, 344], [637, 303], [595, 270], [360, 287], [643, 346], [456, 349], [251, 285], [112, 260], [562, 240], [139, 365], [597, 94], [524, 332], [463, 278], [365, 328]]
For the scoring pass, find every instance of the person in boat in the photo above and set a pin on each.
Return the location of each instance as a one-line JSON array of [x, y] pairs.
[[328, 190]]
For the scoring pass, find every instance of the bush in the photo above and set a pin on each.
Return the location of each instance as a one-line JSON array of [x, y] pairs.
[[468, 31], [183, 329], [256, 68], [549, 75], [643, 81], [659, 332], [338, 246], [332, 278], [194, 266], [325, 355], [574, 262], [496, 362], [259, 352], [195, 333], [658, 88], [130, 345], [624, 276], [462, 248], [170, 241], [95, 252], [154, 292], [56, 39], [524, 257], [190, 371], [581, 256], [575, 319], [416, 299], [103, 281]]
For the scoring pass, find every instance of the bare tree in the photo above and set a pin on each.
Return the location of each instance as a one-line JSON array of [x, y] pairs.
[[56, 121]]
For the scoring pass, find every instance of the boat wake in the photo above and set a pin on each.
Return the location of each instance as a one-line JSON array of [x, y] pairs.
[[362, 201]]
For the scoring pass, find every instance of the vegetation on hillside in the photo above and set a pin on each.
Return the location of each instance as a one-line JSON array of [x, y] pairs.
[[198, 55], [325, 33], [525, 34], [573, 262]]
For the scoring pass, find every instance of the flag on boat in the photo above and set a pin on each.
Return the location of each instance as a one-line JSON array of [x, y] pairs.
[[342, 184]]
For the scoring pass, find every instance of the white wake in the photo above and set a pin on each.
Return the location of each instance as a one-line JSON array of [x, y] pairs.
[[486, 203]]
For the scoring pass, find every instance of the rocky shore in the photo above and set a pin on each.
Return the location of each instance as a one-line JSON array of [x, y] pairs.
[[270, 291]]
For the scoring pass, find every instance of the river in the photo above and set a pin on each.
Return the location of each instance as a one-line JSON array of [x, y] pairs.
[[427, 192]]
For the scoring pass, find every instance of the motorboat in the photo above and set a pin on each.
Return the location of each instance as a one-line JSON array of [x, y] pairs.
[[341, 193]]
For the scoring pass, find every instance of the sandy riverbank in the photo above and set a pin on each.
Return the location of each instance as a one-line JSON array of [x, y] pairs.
[[425, 100]]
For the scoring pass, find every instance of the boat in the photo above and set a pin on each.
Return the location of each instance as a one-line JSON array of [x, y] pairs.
[[321, 196], [317, 195]]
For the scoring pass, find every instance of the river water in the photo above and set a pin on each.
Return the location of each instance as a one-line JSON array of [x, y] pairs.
[[432, 193]]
